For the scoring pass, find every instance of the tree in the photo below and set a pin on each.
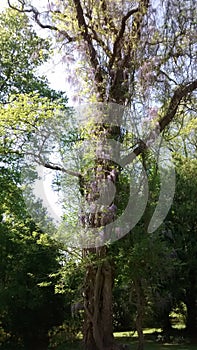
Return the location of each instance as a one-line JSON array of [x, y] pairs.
[[182, 223], [144, 261], [29, 306], [30, 259], [134, 54], [22, 52]]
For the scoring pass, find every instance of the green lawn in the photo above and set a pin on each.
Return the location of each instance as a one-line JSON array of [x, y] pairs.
[[130, 339], [133, 345], [125, 338], [154, 346]]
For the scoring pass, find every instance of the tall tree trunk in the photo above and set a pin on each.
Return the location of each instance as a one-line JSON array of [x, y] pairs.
[[191, 324], [166, 326], [98, 328], [191, 303], [140, 312]]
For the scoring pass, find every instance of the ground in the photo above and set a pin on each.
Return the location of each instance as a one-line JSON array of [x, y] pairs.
[[176, 343]]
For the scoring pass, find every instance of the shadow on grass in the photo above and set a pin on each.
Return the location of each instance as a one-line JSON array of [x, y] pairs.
[[73, 346], [153, 345], [132, 342], [149, 345]]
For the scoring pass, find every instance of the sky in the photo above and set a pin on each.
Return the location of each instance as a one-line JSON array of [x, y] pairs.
[[54, 69]]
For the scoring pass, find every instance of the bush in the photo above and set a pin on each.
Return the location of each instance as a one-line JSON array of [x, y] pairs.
[[69, 332]]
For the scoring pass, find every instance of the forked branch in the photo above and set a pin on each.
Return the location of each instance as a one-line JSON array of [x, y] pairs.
[[36, 15], [107, 18], [88, 39], [119, 38], [180, 93]]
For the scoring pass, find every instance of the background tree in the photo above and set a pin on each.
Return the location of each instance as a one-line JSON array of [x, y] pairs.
[[29, 306], [22, 52], [183, 228], [30, 260]]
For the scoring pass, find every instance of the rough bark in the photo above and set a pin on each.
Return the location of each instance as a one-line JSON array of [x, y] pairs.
[[191, 304], [140, 302], [98, 330], [166, 327]]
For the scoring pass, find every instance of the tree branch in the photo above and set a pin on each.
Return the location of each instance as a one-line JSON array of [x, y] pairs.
[[108, 19], [120, 35], [36, 15], [119, 81], [87, 38], [167, 76], [22, 9], [100, 42], [60, 168], [135, 32], [180, 93], [39, 160]]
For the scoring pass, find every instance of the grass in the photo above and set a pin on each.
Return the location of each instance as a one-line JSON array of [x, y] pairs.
[[146, 331], [150, 345], [131, 339]]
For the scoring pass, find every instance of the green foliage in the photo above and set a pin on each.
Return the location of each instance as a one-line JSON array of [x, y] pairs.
[[30, 260], [22, 52], [29, 306], [65, 334]]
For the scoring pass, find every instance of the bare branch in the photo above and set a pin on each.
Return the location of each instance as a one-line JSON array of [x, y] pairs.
[[22, 9], [120, 35], [39, 160], [176, 99], [167, 76], [52, 166], [51, 27], [87, 38], [101, 42], [36, 15], [125, 63], [107, 18], [179, 94], [136, 32], [90, 316]]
